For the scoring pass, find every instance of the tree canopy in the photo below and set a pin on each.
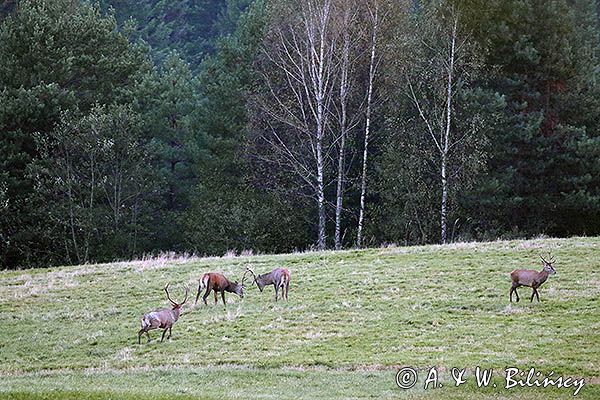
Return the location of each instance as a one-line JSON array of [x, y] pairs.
[[129, 128]]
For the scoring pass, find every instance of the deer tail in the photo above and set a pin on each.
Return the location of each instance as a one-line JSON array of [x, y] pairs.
[[284, 279], [203, 282]]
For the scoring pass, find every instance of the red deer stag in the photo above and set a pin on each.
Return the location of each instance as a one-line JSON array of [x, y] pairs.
[[218, 283], [163, 318], [279, 277], [531, 278]]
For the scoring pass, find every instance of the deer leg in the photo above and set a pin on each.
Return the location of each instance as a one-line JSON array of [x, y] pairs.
[[140, 333], [216, 297], [206, 295], [276, 291], [163, 335], [512, 289], [198, 295], [223, 296], [169, 337], [532, 294], [537, 294], [287, 289]]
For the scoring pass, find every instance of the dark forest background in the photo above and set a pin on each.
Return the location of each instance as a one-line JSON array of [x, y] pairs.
[[135, 127]]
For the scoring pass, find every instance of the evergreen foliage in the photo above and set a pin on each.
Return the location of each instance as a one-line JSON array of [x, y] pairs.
[[129, 127]]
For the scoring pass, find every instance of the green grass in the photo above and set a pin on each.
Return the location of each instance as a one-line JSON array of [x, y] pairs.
[[353, 319]]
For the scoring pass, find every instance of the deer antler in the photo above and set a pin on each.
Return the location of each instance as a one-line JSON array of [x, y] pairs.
[[244, 277], [550, 256], [186, 296], [252, 272], [169, 297]]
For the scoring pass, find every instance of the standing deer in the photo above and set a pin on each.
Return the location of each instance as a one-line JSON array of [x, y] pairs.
[[218, 283], [531, 278], [163, 318], [279, 277]]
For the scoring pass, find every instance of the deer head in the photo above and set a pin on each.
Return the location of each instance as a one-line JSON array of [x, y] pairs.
[[237, 288], [548, 267]]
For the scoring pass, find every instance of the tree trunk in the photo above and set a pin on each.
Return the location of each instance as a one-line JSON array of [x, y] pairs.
[[363, 179], [344, 85], [318, 66], [443, 216], [320, 196], [446, 138], [340, 192]]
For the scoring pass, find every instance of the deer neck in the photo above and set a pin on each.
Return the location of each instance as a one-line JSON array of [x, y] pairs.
[[543, 275], [262, 281], [176, 311], [230, 287]]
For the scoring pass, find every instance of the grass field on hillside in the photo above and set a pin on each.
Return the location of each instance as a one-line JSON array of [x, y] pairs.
[[354, 318]]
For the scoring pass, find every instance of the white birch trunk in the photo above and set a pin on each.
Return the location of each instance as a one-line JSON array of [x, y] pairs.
[[344, 86], [363, 179], [300, 77], [446, 138], [318, 65]]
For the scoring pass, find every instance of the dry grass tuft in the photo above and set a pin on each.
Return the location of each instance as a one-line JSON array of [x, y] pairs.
[[162, 260]]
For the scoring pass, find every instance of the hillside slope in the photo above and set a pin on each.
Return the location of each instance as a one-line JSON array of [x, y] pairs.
[[353, 319]]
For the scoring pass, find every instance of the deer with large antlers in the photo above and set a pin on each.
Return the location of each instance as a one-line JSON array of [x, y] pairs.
[[531, 278], [218, 283], [279, 277], [163, 318]]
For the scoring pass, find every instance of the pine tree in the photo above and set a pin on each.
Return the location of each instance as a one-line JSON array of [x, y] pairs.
[[546, 55], [55, 56], [168, 100]]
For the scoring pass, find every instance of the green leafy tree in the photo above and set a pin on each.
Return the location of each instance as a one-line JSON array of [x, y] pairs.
[[55, 56], [437, 151], [94, 174], [229, 207]]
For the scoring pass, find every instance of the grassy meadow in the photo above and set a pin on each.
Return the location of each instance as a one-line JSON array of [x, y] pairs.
[[354, 318]]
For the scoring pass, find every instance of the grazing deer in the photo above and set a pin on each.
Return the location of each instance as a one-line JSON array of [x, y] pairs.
[[531, 278], [163, 318], [218, 283], [279, 277]]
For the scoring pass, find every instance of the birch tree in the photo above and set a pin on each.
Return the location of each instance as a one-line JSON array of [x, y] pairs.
[[375, 24], [446, 69], [298, 69], [347, 59]]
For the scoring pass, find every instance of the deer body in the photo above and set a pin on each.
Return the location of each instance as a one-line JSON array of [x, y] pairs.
[[279, 278], [531, 278], [163, 318], [213, 281]]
